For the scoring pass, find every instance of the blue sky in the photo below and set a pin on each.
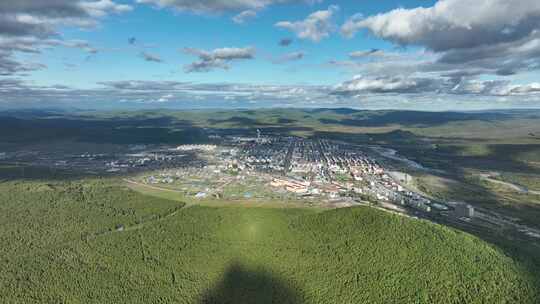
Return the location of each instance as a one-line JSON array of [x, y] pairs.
[[166, 32], [447, 54]]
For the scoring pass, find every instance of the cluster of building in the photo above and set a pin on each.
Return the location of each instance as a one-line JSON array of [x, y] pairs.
[[282, 167], [268, 154], [295, 186], [133, 158], [152, 160], [300, 167], [314, 167], [206, 148], [325, 168]]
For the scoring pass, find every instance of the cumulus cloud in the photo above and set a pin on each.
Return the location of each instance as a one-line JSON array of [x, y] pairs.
[[373, 54], [39, 18], [525, 89], [495, 88], [145, 85], [208, 6], [151, 57], [432, 87], [315, 27], [484, 34], [165, 98], [217, 59], [469, 25], [477, 87], [506, 58], [462, 42], [133, 93], [244, 16], [9, 67], [10, 46], [77, 44], [173, 94], [383, 63], [352, 25], [102, 8], [225, 94], [361, 85], [30, 25], [218, 6], [368, 53]]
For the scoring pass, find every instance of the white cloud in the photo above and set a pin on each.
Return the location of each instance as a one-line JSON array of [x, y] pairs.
[[244, 16], [218, 6], [464, 40], [28, 25], [315, 27], [372, 94], [10, 46], [453, 24], [373, 53], [351, 26], [477, 87], [218, 58], [16, 92], [39, 18], [102, 8], [362, 85], [166, 98], [208, 6], [496, 88], [532, 88], [431, 87]]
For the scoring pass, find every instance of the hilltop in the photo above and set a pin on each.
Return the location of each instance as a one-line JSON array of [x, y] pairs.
[[113, 245]]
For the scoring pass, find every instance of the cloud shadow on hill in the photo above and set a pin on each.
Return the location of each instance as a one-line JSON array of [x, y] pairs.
[[415, 118], [239, 121]]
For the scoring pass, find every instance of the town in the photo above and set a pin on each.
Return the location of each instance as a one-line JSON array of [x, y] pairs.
[[315, 172], [288, 167], [300, 171]]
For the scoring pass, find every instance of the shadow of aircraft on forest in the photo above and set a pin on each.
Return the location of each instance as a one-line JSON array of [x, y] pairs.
[[240, 285]]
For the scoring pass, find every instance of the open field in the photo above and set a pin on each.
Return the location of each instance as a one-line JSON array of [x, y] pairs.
[[68, 232], [175, 195]]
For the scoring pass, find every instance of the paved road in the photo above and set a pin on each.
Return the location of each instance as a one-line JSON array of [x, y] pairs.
[[288, 158]]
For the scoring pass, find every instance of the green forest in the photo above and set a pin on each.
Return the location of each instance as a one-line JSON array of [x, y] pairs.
[[96, 241]]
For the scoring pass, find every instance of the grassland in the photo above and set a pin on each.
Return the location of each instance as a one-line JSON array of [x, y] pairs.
[[62, 244], [160, 191]]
